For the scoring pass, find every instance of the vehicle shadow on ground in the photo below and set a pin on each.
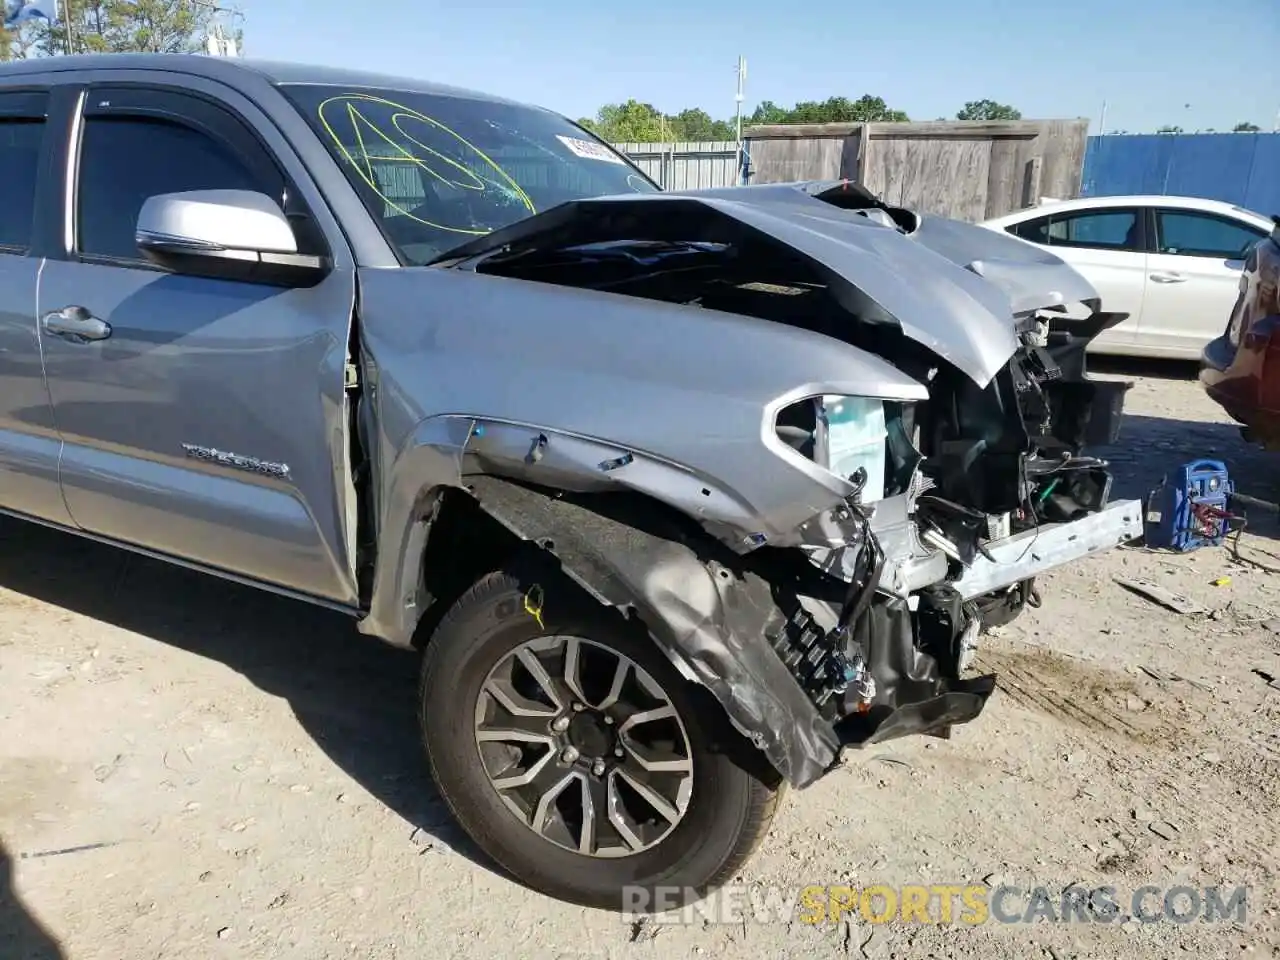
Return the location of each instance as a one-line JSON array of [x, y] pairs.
[[22, 936], [354, 695]]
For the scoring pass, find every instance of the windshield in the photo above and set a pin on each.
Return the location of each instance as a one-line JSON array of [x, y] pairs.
[[438, 170]]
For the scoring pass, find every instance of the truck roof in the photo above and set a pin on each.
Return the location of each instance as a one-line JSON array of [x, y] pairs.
[[228, 70]]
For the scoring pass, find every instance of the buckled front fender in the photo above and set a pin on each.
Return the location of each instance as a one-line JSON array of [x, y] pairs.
[[711, 622]]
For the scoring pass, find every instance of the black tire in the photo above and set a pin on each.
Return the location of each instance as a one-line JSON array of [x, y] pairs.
[[733, 800]]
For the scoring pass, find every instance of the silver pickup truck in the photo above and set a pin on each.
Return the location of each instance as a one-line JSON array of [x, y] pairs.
[[681, 494]]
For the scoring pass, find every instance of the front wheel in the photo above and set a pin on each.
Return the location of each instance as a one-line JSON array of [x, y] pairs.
[[573, 753]]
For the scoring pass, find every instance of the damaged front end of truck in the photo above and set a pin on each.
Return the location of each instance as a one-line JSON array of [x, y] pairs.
[[814, 518]]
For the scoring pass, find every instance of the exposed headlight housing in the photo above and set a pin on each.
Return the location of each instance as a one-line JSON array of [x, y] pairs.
[[844, 434]]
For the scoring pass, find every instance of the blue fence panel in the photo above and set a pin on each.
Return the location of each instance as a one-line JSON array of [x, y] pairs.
[[1240, 168], [1121, 165], [1155, 176], [1113, 165], [1263, 193], [1216, 167]]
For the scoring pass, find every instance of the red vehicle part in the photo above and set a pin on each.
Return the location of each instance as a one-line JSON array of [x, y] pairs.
[[1241, 369]]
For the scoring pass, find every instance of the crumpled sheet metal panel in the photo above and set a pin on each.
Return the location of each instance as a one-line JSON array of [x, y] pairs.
[[684, 386], [874, 271], [914, 694], [715, 623]]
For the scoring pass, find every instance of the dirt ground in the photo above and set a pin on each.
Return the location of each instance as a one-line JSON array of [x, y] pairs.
[[189, 769]]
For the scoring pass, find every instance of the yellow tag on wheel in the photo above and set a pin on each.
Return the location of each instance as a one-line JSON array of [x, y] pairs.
[[533, 604]]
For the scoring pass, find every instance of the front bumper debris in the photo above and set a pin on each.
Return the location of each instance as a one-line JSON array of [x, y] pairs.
[[1036, 551], [913, 656]]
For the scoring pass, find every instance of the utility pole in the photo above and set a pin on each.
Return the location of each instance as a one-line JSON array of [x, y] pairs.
[[742, 79], [738, 98], [217, 43], [1102, 120], [66, 16]]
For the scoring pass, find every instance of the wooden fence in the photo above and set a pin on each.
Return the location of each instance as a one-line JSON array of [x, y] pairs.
[[969, 170]]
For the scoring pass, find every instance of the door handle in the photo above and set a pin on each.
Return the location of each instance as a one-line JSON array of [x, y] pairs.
[[76, 324], [1168, 278]]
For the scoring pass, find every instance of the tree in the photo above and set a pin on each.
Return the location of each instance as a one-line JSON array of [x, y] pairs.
[[988, 110], [18, 44], [1245, 127], [636, 122], [115, 26], [695, 124], [866, 109], [1169, 129], [630, 122], [15, 45], [766, 111]]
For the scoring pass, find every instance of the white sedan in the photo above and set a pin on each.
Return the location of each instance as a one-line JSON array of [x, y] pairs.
[[1172, 263]]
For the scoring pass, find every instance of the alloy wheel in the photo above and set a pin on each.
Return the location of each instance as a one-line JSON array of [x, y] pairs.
[[584, 746]]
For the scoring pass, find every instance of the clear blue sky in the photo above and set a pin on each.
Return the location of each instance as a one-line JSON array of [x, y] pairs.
[[1194, 63]]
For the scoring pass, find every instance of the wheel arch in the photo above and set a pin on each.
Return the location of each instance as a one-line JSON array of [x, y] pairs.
[[651, 564]]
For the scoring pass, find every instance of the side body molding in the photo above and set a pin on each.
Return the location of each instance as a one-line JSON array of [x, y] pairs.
[[710, 622]]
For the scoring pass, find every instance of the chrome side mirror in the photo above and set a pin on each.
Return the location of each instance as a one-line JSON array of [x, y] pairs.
[[225, 234]]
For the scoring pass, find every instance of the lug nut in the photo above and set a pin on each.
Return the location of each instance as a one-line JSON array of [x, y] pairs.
[[597, 768], [560, 724], [578, 708], [619, 752], [608, 720], [570, 755]]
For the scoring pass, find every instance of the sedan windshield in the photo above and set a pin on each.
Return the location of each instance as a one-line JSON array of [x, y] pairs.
[[439, 170]]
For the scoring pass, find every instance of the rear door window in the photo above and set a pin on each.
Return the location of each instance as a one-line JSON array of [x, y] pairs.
[[22, 127]]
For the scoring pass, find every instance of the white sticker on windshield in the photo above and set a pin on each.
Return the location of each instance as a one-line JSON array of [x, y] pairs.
[[588, 150]]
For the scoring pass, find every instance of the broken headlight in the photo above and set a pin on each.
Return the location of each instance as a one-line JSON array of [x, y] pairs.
[[845, 435]]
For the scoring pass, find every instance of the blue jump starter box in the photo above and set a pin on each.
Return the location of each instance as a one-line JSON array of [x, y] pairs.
[[1172, 520]]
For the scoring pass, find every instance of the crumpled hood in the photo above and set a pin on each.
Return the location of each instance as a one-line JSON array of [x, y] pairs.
[[1032, 277], [952, 287]]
